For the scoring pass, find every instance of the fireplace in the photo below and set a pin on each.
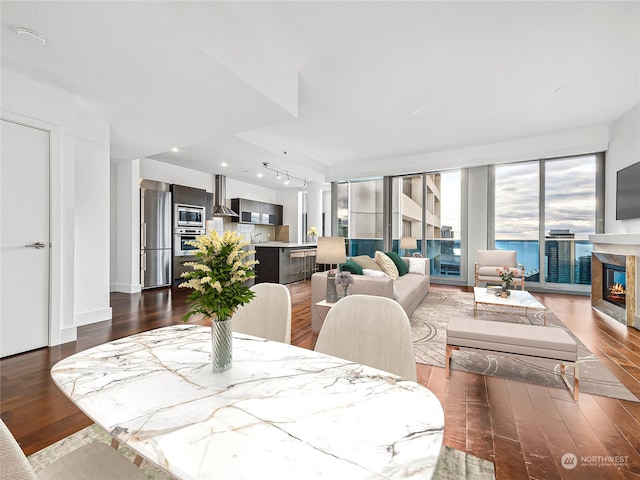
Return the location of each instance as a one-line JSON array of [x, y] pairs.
[[614, 284]]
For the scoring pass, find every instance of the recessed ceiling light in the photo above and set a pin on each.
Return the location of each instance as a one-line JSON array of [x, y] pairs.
[[260, 175], [31, 36], [416, 112], [175, 149], [224, 164]]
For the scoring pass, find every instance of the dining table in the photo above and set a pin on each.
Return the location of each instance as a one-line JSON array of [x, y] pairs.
[[280, 411]]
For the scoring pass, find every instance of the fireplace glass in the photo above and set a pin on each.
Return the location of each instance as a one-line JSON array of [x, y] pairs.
[[614, 284]]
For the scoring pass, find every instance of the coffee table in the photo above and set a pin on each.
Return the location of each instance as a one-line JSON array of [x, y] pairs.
[[517, 299]]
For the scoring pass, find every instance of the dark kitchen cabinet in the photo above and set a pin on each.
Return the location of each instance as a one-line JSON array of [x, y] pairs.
[[255, 212], [271, 214], [189, 196]]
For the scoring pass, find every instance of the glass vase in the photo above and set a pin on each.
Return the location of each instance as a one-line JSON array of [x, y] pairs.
[[505, 290], [221, 345]]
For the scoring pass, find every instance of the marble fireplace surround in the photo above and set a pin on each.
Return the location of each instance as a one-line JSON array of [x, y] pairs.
[[618, 249]]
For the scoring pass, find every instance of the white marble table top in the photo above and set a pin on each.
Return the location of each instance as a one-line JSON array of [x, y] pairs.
[[279, 412], [517, 298]]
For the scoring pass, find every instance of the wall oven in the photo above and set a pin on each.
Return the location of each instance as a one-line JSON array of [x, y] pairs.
[[181, 238], [189, 216]]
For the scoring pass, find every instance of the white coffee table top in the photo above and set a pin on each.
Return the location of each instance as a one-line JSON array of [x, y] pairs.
[[517, 298]]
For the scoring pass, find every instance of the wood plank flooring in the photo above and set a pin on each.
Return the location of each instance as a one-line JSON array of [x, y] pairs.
[[525, 429]]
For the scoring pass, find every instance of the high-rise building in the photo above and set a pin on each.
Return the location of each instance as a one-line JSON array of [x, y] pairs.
[[559, 255]]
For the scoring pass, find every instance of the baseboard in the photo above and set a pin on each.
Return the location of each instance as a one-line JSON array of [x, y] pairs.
[[93, 316], [126, 288]]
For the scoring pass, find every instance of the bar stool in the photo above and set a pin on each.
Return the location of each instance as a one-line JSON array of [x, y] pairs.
[[297, 259], [311, 266]]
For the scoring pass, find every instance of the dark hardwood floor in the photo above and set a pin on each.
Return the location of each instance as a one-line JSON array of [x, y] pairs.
[[525, 429]]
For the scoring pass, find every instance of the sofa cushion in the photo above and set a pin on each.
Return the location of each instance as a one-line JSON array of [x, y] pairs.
[[402, 267], [387, 265], [493, 271], [497, 257], [365, 261], [373, 273], [351, 266], [418, 265]]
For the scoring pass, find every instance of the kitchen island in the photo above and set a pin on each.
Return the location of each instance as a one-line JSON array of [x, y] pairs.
[[276, 265]]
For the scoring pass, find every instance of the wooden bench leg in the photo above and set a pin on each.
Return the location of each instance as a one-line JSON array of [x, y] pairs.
[[447, 361]]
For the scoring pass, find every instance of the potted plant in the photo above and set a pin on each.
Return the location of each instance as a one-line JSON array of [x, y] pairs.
[[506, 275], [344, 279], [218, 281], [312, 234]]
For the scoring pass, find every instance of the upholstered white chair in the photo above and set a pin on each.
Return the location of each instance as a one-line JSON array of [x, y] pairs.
[[489, 261], [268, 315], [94, 461], [374, 331]]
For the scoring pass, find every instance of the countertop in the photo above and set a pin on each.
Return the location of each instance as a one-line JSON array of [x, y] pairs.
[[284, 245]]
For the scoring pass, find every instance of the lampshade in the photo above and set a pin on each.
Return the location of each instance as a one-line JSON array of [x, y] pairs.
[[331, 250], [408, 243]]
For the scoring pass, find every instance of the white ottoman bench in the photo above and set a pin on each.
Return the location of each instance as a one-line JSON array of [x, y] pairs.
[[529, 340]]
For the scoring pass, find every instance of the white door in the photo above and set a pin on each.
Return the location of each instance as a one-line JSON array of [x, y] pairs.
[[24, 238]]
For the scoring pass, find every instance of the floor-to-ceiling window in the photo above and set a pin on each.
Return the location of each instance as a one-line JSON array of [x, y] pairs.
[[426, 219], [517, 214], [569, 218], [545, 210], [443, 237], [360, 207]]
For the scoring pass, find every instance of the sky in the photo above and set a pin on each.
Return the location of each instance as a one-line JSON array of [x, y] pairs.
[[569, 198]]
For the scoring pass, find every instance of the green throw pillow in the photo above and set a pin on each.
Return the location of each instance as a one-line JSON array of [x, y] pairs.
[[351, 266], [402, 267]]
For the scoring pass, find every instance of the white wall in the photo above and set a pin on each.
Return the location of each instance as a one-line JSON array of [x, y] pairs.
[[79, 201], [291, 214], [624, 150], [126, 203], [92, 237]]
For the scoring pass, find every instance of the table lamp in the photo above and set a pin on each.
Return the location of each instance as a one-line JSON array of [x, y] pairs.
[[331, 251], [408, 243]]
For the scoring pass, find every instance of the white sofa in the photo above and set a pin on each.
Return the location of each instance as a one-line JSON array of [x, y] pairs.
[[410, 289]]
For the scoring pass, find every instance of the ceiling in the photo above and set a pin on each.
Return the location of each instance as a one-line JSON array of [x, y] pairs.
[[332, 84]]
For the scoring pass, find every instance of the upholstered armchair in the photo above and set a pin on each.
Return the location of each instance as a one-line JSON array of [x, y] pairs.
[[489, 261]]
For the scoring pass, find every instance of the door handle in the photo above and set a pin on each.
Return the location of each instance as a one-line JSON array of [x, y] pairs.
[[37, 245]]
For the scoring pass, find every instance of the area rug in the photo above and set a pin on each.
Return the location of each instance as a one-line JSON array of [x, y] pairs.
[[452, 464], [429, 323]]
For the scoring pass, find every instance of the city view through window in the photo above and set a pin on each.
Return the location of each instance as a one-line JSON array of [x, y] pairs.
[[556, 234], [568, 217]]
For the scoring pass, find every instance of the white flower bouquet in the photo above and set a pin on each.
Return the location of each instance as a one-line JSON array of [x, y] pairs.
[[218, 279]]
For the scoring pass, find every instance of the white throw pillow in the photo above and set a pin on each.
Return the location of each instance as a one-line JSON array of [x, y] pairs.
[[373, 273], [417, 265]]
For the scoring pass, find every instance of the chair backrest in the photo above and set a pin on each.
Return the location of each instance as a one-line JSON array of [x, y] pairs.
[[496, 258], [268, 315], [371, 330], [13, 463]]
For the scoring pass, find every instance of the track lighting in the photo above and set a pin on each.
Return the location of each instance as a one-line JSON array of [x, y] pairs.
[[288, 175]]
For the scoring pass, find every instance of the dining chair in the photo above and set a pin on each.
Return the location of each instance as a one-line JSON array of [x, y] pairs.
[[371, 330], [268, 315], [93, 461]]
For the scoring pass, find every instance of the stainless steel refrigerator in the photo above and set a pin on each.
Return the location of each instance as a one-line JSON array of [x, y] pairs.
[[155, 234]]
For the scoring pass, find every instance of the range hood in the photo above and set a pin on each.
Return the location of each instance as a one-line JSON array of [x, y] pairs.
[[220, 198]]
